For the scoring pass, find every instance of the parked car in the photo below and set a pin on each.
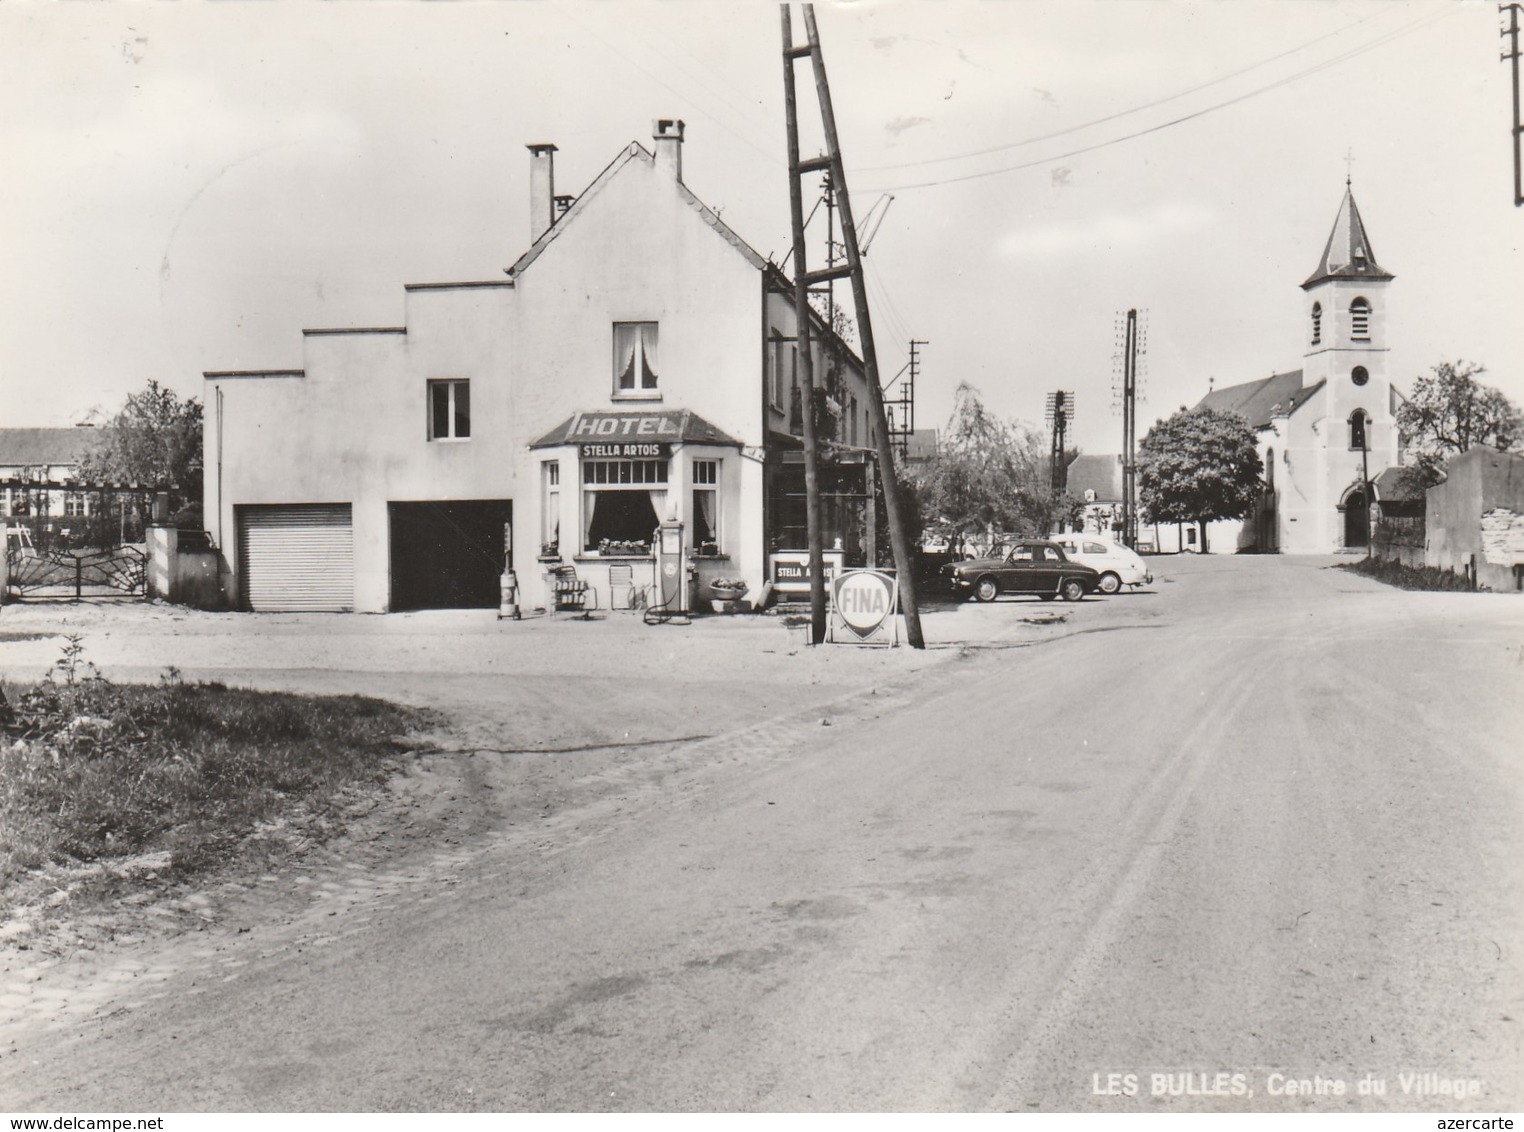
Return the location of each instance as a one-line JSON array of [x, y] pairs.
[[1117, 565], [1032, 566]]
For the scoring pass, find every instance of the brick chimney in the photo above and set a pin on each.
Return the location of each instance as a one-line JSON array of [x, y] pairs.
[[542, 189], [668, 135]]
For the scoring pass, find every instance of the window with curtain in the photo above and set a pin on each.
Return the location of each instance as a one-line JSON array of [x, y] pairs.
[[623, 501], [635, 372], [705, 517], [550, 513]]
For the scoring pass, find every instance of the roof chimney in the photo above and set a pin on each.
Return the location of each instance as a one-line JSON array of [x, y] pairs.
[[668, 134], [542, 189]]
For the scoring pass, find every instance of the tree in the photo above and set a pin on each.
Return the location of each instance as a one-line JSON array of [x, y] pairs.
[[1449, 412], [155, 440], [989, 476], [1197, 466]]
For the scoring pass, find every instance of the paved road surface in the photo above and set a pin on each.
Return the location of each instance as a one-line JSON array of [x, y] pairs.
[[1264, 821]]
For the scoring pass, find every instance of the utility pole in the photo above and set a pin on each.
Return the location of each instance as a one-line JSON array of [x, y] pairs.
[[1512, 31], [1129, 431], [1060, 413], [806, 362], [904, 562], [903, 424]]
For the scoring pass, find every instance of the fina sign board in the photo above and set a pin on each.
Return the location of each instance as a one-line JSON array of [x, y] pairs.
[[865, 602]]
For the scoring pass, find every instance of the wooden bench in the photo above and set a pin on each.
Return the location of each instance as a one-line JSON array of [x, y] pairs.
[[571, 594]]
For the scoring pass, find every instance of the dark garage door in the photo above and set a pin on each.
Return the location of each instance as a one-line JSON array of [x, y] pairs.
[[447, 555]]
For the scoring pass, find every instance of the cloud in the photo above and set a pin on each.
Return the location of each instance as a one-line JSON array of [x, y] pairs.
[[1110, 232]]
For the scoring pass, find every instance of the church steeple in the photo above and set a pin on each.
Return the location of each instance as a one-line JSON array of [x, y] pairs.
[[1348, 253]]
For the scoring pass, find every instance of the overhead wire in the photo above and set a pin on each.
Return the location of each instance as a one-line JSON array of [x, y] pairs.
[[1048, 160], [1123, 113]]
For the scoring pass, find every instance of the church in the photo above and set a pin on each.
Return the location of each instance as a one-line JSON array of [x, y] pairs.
[[1326, 431]]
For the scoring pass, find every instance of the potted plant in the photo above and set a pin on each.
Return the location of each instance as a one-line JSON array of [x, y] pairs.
[[727, 591]]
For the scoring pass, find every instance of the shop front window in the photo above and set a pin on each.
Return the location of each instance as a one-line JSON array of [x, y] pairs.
[[623, 501]]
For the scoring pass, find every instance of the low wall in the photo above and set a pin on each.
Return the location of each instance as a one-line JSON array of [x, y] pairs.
[[184, 577], [1476, 519]]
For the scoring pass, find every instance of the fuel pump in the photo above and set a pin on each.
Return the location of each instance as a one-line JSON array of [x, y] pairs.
[[671, 569], [671, 598], [508, 584]]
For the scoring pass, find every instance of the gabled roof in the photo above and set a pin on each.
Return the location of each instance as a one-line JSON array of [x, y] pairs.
[[1348, 253], [35, 447], [1255, 401], [651, 426], [1100, 474], [632, 152]]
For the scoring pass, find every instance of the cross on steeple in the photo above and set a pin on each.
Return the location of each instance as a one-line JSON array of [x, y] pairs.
[[1349, 166]]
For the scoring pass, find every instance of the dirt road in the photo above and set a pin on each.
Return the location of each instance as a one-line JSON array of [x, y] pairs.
[[1256, 831]]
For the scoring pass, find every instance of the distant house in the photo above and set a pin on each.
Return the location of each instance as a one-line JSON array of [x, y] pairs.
[[36, 467], [1098, 481]]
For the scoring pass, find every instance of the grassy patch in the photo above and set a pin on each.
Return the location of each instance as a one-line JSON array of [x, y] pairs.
[[99, 774], [1394, 573]]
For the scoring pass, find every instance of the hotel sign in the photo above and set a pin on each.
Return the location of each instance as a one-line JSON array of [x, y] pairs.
[[628, 436], [632, 450], [791, 569]]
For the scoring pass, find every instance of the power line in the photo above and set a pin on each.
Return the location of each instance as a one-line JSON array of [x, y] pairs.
[[1381, 42], [1122, 113]]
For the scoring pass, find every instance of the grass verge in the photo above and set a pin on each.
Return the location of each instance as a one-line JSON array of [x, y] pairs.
[[1394, 573], [97, 778]]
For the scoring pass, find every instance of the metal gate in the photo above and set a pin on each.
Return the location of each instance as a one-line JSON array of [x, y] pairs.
[[74, 575], [297, 557]]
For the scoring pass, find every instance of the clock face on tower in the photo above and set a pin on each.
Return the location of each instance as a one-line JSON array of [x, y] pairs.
[[1359, 375]]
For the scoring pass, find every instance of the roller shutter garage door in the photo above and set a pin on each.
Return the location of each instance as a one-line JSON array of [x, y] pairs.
[[297, 557]]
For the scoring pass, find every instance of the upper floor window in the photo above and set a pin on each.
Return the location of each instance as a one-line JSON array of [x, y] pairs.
[[635, 370], [1358, 423], [449, 410], [1317, 323], [1270, 469], [1360, 320]]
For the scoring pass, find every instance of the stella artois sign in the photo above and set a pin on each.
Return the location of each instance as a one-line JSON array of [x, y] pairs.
[[864, 602]]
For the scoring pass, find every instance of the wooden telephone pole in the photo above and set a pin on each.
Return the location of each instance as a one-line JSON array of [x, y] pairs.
[[803, 280], [1512, 31]]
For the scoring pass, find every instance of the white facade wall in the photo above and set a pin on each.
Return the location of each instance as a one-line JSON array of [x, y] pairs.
[[352, 426]]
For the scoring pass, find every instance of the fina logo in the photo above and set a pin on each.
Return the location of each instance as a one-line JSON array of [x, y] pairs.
[[864, 600]]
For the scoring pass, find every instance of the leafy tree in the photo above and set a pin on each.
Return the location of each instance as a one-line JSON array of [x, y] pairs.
[[988, 477], [1449, 412], [1197, 466], [154, 440]]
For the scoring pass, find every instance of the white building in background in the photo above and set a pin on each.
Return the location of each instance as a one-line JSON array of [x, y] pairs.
[[634, 365]]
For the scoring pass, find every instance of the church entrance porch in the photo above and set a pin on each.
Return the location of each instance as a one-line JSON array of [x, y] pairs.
[[1357, 518]]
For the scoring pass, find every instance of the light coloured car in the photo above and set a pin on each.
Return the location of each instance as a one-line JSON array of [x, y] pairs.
[[1117, 565]]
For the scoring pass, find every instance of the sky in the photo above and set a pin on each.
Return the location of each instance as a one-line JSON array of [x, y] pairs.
[[188, 186]]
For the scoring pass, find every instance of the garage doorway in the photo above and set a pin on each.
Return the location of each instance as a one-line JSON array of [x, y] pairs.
[[447, 555]]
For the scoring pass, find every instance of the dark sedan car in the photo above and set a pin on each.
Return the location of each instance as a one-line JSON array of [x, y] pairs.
[[1034, 566]]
